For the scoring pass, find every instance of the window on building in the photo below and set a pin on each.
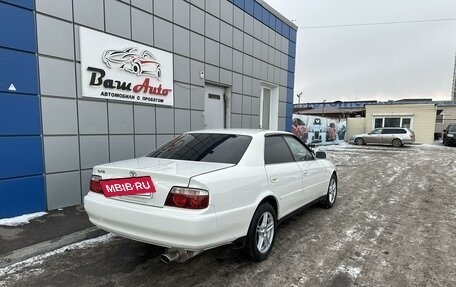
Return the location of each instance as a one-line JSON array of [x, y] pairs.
[[393, 122], [378, 123], [406, 122], [439, 117]]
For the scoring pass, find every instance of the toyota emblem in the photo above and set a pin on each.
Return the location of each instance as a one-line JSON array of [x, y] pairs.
[[133, 173]]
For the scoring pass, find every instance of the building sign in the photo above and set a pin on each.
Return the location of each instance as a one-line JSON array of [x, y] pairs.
[[119, 69]]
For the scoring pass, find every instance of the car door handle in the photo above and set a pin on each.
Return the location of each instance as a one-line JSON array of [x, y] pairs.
[[274, 179], [305, 173]]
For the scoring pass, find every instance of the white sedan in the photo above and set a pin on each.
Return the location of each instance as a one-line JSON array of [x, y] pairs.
[[208, 188]]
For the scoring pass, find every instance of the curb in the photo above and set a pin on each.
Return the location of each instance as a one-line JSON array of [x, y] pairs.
[[47, 246]]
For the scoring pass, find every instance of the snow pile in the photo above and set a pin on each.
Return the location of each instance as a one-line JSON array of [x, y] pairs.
[[20, 220]]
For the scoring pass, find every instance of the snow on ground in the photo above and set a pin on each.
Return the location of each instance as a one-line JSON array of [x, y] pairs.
[[353, 272], [20, 220], [31, 263]]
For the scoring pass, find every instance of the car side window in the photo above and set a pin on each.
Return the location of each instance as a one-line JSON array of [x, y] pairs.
[[376, 132], [276, 150], [299, 151]]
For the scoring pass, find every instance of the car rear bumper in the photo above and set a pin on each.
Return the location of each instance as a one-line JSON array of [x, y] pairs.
[[168, 227]]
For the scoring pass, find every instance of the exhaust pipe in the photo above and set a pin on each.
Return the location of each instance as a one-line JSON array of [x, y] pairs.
[[170, 256], [179, 255]]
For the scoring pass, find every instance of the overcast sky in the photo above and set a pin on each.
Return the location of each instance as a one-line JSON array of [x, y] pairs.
[[378, 62]]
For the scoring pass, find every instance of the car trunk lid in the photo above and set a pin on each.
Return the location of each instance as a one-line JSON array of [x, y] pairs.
[[165, 173]]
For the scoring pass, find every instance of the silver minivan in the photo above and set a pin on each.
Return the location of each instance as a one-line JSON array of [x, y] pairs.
[[390, 136]]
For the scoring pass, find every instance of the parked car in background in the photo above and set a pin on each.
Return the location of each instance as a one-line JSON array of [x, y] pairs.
[[299, 129], [208, 188], [449, 135], [389, 136]]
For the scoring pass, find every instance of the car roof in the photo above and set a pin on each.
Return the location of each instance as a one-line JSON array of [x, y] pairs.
[[247, 132]]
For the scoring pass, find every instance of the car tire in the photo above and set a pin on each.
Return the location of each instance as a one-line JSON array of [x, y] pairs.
[[261, 234], [331, 194], [359, 141], [396, 143]]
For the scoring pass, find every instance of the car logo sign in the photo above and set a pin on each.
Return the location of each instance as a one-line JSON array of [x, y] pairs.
[[133, 174]]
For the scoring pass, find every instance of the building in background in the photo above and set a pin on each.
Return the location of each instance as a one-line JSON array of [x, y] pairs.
[[88, 82], [361, 117]]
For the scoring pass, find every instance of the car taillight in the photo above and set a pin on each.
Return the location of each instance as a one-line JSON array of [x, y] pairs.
[[95, 184], [190, 198]]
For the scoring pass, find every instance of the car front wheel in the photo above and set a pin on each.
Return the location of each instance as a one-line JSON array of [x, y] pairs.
[[331, 195], [261, 234], [359, 141]]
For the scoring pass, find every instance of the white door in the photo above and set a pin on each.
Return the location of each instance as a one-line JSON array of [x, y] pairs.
[[284, 174], [214, 107]]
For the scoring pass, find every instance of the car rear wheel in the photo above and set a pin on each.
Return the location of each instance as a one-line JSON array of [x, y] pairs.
[[397, 143], [359, 141], [331, 195], [261, 234]]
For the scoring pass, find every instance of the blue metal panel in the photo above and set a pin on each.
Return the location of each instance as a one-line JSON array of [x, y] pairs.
[[249, 6], [239, 3], [272, 21], [293, 35], [29, 4], [278, 25], [290, 80], [19, 115], [265, 18], [291, 64], [285, 30], [289, 95], [257, 11], [289, 110], [17, 28], [291, 49], [20, 156], [19, 69], [21, 196]]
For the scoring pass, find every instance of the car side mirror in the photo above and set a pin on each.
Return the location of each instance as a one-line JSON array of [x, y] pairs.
[[320, 154], [444, 131]]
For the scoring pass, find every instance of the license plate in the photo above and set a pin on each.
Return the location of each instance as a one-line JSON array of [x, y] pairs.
[[128, 186]]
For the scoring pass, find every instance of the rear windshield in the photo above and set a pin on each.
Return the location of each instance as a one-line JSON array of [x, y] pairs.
[[221, 148]]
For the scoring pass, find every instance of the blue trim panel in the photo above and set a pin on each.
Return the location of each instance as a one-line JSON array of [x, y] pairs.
[[291, 64], [20, 156], [291, 49], [293, 33], [19, 115], [19, 69], [257, 11], [290, 80], [249, 7], [18, 28], [263, 15], [289, 110], [29, 4], [21, 196], [239, 3]]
